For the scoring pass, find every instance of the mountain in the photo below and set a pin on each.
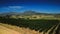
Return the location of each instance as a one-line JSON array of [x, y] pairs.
[[30, 12], [9, 13]]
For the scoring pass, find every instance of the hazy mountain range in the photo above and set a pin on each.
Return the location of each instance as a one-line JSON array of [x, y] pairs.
[[28, 13]]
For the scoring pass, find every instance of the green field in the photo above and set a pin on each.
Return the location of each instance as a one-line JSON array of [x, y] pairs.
[[38, 24]]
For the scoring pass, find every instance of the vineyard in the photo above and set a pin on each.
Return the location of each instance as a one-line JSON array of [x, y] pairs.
[[41, 25]]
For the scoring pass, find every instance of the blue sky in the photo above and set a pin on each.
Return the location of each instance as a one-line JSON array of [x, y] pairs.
[[44, 6]]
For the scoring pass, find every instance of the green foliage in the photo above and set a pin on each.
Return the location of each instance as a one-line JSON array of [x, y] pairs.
[[32, 24]]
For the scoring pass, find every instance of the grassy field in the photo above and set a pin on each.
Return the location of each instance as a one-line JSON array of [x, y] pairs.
[[34, 17]]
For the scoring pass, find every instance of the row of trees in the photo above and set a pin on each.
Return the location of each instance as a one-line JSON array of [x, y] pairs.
[[32, 24]]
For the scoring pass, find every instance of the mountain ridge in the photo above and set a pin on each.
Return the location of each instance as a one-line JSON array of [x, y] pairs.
[[28, 13]]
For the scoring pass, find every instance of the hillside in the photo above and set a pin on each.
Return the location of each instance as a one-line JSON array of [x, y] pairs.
[[30, 26], [29, 23], [29, 12], [9, 29], [4, 30], [31, 15]]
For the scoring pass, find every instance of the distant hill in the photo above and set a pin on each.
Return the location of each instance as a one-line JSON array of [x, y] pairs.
[[27, 13]]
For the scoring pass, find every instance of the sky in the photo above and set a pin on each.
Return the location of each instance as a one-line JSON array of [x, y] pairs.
[[42, 6]]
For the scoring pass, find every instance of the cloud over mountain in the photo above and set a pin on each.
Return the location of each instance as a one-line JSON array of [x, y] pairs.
[[10, 8]]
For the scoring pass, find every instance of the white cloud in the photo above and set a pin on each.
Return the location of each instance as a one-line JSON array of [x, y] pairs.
[[15, 7], [12, 8]]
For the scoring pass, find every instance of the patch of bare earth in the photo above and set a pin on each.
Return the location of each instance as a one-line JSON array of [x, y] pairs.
[[8, 29]]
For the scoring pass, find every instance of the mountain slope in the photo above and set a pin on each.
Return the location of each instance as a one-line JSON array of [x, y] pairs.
[[28, 13]]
